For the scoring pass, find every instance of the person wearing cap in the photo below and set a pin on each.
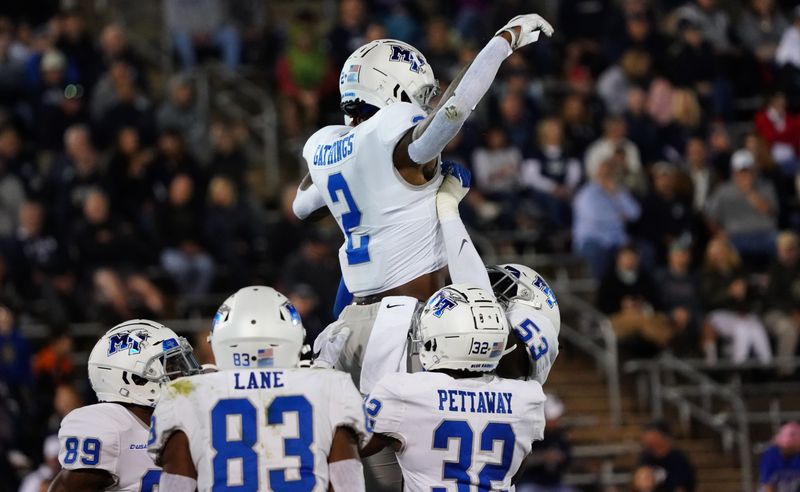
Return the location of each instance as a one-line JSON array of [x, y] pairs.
[[46, 471], [670, 463], [745, 208], [779, 469], [549, 459]]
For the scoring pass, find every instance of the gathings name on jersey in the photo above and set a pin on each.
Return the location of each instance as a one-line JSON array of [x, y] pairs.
[[329, 154], [475, 401]]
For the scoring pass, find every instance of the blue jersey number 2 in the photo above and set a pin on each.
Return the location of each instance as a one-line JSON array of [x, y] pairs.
[[241, 448], [459, 430], [350, 220]]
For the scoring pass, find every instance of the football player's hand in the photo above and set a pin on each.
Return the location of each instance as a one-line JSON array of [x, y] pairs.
[[329, 346], [525, 29], [454, 187]]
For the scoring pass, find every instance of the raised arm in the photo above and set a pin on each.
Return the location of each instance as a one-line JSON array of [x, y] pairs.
[[423, 145], [463, 260]]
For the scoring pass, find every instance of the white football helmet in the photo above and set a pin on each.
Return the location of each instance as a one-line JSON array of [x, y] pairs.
[[383, 72], [513, 283], [131, 361], [462, 327], [256, 327]]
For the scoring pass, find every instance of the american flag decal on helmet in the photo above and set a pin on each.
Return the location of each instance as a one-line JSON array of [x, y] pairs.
[[265, 357]]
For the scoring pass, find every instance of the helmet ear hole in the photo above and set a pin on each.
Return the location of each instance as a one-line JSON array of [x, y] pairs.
[[138, 380], [404, 97]]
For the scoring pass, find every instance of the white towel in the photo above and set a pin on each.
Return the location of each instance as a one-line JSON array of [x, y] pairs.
[[387, 347]]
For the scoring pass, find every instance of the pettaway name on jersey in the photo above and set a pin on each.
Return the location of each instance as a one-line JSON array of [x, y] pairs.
[[475, 401], [257, 380]]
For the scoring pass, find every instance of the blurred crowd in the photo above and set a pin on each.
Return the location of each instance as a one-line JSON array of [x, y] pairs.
[[656, 140]]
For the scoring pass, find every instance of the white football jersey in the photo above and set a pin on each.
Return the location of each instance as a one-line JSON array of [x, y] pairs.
[[539, 336], [391, 229], [259, 429], [107, 436], [458, 434]]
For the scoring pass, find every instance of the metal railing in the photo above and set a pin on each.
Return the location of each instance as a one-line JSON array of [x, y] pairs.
[[731, 423]]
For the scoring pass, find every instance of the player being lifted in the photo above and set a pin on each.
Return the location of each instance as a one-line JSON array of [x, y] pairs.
[[104, 446], [457, 425], [260, 423], [379, 177]]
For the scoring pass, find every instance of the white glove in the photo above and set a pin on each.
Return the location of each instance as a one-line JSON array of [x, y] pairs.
[[329, 346], [529, 27], [453, 189]]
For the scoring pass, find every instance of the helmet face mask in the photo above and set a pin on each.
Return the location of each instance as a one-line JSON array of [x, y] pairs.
[[519, 285], [133, 359]]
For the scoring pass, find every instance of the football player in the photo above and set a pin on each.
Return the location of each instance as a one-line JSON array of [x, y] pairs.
[[457, 425], [530, 305], [104, 446], [260, 423], [379, 174]]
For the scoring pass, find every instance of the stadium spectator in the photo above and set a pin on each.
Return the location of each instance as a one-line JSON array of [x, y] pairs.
[[579, 130], [551, 174], [130, 108], [781, 130], [115, 46], [665, 459], [515, 120], [19, 161], [76, 43], [642, 129], [58, 103], [39, 479], [760, 29], [15, 365], [782, 301], [173, 158], [618, 80], [12, 195], [439, 49], [182, 112], [691, 60], [315, 265], [496, 166], [228, 157], [229, 216], [550, 458], [730, 303], [41, 268], [711, 20], [614, 141], [666, 215], [129, 182], [202, 24], [304, 74], [180, 228], [303, 298], [704, 178], [110, 255], [601, 211], [679, 296], [628, 295], [347, 35], [53, 365], [779, 468], [745, 208], [285, 235], [788, 51], [72, 176], [12, 70]]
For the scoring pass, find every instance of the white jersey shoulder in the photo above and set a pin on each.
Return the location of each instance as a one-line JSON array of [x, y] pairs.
[[265, 429], [481, 427], [107, 436], [539, 336], [391, 229]]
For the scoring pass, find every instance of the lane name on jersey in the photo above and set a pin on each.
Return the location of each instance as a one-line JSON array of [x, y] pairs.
[[257, 380], [475, 401]]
